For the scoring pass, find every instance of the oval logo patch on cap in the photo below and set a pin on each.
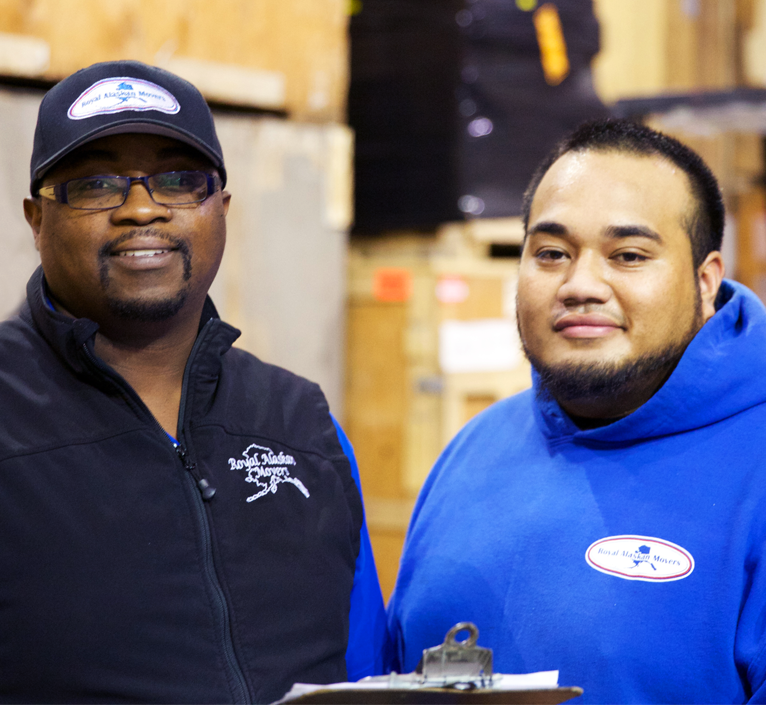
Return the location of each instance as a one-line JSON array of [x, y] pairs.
[[640, 558], [113, 95]]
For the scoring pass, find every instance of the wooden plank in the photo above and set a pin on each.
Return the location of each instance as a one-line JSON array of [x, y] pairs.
[[631, 61], [716, 59], [751, 240], [21, 55], [484, 300], [656, 46], [387, 545], [475, 403], [20, 258], [376, 393], [396, 393], [303, 41], [282, 278], [680, 48]]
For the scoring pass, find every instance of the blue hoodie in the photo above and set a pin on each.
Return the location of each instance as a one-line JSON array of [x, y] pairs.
[[630, 557]]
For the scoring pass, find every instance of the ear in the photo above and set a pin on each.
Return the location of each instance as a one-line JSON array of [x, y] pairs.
[[226, 198], [709, 276], [33, 212]]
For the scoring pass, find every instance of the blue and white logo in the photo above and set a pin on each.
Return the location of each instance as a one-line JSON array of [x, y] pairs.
[[113, 95], [645, 558]]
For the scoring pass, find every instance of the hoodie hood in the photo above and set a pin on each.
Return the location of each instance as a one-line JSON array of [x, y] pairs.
[[720, 374]]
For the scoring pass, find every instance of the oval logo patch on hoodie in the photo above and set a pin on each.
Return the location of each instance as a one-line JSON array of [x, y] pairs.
[[644, 558]]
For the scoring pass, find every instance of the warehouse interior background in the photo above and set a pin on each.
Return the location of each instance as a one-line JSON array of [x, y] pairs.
[[377, 151]]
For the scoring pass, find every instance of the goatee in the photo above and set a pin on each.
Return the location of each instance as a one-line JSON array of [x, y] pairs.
[[614, 380], [147, 311], [585, 382], [140, 309]]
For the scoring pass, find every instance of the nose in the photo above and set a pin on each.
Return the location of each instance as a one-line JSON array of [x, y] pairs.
[[585, 281], [140, 208]]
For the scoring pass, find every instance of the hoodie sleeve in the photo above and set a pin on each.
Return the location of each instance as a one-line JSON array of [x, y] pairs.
[[367, 632], [750, 646]]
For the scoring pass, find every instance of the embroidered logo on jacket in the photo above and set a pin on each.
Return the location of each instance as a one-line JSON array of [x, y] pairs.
[[640, 558], [266, 469]]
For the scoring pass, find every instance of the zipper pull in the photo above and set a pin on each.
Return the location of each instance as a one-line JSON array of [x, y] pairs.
[[206, 489]]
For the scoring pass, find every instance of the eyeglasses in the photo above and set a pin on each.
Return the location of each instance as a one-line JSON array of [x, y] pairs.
[[171, 188]]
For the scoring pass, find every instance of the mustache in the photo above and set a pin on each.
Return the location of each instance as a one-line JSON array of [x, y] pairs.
[[177, 243], [590, 308]]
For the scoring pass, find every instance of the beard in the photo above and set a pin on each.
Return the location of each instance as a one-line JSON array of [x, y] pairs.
[[595, 381], [613, 380], [142, 310], [147, 311]]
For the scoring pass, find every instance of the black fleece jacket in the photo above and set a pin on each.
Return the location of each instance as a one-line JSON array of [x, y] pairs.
[[123, 576]]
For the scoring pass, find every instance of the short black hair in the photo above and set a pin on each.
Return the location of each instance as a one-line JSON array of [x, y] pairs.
[[705, 225]]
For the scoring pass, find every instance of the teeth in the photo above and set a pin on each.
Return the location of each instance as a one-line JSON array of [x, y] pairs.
[[141, 253]]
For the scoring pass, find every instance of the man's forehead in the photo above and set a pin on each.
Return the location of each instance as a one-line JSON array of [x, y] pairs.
[[596, 172], [579, 164], [613, 195]]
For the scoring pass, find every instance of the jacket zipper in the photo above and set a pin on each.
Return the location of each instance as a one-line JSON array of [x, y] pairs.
[[202, 492], [241, 694]]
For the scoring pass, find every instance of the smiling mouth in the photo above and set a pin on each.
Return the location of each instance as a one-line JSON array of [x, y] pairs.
[[142, 253], [144, 250], [586, 326]]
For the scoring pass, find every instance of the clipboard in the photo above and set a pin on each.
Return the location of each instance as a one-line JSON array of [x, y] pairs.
[[438, 696], [456, 672]]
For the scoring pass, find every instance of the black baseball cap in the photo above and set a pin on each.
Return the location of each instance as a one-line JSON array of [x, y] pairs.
[[117, 97]]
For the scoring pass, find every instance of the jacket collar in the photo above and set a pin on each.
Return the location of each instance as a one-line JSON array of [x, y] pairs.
[[68, 336]]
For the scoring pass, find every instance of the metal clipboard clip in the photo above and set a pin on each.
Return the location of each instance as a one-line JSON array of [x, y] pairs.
[[458, 664]]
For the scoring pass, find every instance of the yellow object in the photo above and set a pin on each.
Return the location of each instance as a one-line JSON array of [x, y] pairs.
[[553, 48], [526, 5]]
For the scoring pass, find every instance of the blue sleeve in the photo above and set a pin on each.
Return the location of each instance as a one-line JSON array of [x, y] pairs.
[[367, 632]]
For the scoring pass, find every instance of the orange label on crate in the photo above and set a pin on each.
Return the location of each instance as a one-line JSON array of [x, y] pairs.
[[392, 284]]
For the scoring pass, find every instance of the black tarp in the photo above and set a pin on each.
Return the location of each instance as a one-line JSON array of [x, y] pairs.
[[423, 72]]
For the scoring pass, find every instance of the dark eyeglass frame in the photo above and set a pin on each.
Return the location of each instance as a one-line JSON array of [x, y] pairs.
[[59, 192]]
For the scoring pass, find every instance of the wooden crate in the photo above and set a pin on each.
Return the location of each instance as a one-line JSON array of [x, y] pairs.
[[751, 230], [669, 46], [737, 161], [401, 406], [279, 54]]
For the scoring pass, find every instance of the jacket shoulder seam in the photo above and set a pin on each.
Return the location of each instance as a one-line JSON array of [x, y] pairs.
[[68, 444]]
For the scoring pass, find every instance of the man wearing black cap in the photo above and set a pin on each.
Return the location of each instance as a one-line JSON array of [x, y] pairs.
[[180, 521]]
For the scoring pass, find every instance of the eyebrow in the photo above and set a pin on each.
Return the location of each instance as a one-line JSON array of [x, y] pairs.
[[622, 231], [550, 227]]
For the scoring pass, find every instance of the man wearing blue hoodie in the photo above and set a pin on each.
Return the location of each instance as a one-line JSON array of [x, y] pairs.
[[611, 521]]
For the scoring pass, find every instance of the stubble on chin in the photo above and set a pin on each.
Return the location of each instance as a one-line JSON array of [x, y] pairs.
[[605, 381], [138, 309]]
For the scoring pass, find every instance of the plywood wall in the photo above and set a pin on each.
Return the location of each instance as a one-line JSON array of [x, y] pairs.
[[302, 41], [402, 405], [650, 47]]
